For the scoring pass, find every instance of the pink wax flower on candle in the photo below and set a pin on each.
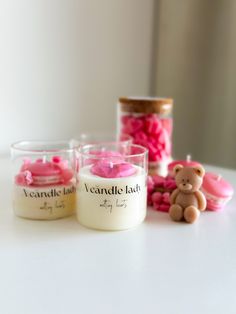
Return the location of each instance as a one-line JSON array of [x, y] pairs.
[[44, 173], [112, 155], [217, 191], [62, 163], [185, 163], [24, 178], [110, 169]]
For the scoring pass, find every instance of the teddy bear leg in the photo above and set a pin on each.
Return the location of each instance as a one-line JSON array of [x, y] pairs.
[[191, 214], [176, 212]]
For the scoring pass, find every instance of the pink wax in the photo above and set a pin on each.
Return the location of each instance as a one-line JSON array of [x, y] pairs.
[[217, 191], [161, 201], [185, 163], [44, 173], [43, 169], [110, 169], [113, 156], [158, 192], [151, 132]]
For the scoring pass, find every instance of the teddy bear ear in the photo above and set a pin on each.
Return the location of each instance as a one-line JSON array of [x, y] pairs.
[[200, 171], [177, 168]]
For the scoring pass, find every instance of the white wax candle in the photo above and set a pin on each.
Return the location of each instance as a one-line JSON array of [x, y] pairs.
[[111, 203]]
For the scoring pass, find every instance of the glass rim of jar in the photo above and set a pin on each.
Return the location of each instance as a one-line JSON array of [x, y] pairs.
[[91, 155], [100, 135], [21, 146]]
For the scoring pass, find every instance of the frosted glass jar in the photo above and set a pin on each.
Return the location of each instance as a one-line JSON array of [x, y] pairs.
[[112, 191], [149, 122], [44, 182]]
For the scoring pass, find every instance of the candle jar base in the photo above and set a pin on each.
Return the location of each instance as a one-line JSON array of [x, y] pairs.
[[105, 227]]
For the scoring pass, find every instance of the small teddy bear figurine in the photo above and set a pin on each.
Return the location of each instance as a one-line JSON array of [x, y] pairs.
[[187, 201]]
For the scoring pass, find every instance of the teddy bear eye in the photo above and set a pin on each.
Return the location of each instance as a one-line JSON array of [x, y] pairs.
[[182, 180]]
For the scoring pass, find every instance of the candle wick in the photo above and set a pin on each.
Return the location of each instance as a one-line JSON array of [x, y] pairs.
[[188, 158]]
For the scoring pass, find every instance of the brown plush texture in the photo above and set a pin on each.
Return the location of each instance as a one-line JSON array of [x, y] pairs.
[[187, 200]]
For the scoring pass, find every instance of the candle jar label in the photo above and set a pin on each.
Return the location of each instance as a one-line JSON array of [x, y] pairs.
[[45, 202], [111, 204]]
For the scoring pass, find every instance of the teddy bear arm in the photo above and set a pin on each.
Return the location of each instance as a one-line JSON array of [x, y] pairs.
[[173, 196], [201, 200]]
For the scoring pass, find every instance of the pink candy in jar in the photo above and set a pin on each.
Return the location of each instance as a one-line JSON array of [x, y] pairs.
[[149, 122]]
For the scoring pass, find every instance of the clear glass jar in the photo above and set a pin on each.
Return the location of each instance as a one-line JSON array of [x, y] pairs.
[[112, 191], [98, 137], [44, 182], [149, 122]]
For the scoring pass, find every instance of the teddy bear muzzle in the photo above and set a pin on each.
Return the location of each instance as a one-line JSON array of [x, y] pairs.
[[185, 187]]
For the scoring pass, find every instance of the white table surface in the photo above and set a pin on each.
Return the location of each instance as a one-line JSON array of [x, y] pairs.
[[159, 267]]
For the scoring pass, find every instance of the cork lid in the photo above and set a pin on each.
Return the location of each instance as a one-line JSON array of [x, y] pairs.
[[147, 105]]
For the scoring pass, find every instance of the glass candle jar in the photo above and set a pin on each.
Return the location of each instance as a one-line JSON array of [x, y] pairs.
[[96, 138], [112, 191], [149, 122], [44, 185]]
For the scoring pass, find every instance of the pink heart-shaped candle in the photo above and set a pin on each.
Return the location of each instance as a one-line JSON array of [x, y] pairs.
[[110, 169]]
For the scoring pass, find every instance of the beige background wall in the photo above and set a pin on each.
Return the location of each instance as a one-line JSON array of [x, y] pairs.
[[63, 64], [194, 61]]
